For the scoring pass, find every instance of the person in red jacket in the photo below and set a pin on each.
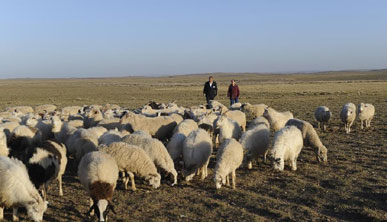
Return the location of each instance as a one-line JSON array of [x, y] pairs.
[[233, 92]]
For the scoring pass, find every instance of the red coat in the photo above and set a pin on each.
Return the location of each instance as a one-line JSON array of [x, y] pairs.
[[233, 91]]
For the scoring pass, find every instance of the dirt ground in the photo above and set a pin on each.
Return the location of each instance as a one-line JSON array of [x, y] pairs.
[[352, 186]]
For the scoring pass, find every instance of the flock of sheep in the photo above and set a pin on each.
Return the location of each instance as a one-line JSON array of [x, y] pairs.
[[153, 142]]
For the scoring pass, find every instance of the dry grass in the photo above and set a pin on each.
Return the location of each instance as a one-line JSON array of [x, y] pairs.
[[351, 187]]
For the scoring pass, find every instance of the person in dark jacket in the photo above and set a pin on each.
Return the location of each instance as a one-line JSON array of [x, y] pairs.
[[210, 89], [233, 92]]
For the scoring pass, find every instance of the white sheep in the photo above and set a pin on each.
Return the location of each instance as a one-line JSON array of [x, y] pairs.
[[23, 137], [98, 173], [237, 116], [197, 149], [110, 124], [16, 190], [4, 151], [228, 158], [310, 138], [62, 130], [69, 110], [348, 116], [236, 106], [44, 126], [365, 113], [160, 127], [228, 128], [92, 117], [277, 119], [20, 109], [181, 131], [258, 121], [287, 146], [322, 115], [42, 109], [256, 110], [256, 143], [112, 136], [156, 152], [133, 160], [81, 142]]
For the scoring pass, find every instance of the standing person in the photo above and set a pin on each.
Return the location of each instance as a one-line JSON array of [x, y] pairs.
[[233, 92], [210, 89]]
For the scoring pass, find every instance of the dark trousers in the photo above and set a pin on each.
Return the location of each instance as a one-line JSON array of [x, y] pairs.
[[232, 101]]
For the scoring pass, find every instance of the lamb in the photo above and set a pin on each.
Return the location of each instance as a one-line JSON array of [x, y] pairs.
[[286, 147], [98, 173], [253, 110], [197, 148], [112, 136], [228, 159], [160, 127], [348, 116], [228, 128], [258, 121], [256, 143], [16, 190], [365, 112], [4, 151], [133, 160], [310, 138], [322, 115], [156, 151], [277, 119], [237, 116]]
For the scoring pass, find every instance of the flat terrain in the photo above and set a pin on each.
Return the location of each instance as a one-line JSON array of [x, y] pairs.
[[351, 187]]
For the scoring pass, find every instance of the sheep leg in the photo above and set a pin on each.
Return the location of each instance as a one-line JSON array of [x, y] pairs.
[[233, 175], [324, 126], [227, 180], [91, 204], [319, 125], [14, 214], [264, 156], [131, 175], [60, 186], [1, 213], [125, 180], [294, 164], [250, 165], [361, 124]]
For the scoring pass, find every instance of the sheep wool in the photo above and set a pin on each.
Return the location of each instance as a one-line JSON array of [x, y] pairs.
[[366, 113], [16, 189], [98, 173], [286, 147], [322, 115], [277, 119], [228, 159], [348, 116]]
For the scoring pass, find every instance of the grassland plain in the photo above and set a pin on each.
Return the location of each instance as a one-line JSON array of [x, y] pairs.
[[351, 187]]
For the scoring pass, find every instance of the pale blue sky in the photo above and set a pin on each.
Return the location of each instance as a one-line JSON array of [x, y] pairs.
[[89, 38]]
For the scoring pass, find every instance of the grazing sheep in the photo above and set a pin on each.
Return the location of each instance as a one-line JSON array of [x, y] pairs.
[[277, 119], [228, 128], [322, 115], [17, 190], [160, 127], [62, 131], [197, 149], [112, 136], [181, 131], [42, 109], [81, 142], [20, 109], [348, 116], [98, 173], [133, 160], [310, 138], [44, 164], [258, 121], [156, 152], [92, 118], [365, 112], [256, 143], [23, 137], [253, 110], [228, 159], [4, 151], [286, 147], [237, 116]]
